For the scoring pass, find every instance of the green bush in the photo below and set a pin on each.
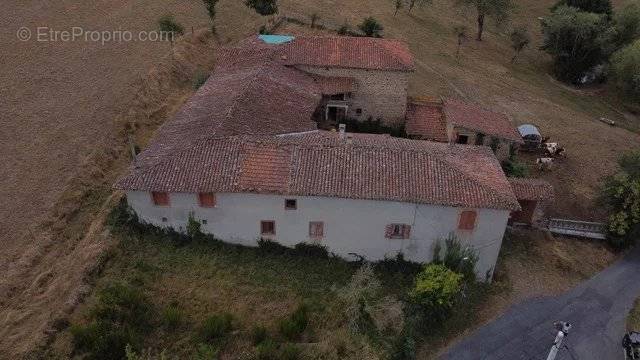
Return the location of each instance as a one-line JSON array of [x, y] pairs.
[[206, 352], [312, 250], [267, 350], [120, 317], [294, 325], [263, 7], [436, 289], [272, 247], [371, 27], [259, 334], [290, 352], [514, 168], [172, 317], [194, 228], [457, 258], [625, 68], [215, 327], [168, 24]]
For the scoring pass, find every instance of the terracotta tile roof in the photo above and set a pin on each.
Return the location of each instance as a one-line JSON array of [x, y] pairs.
[[473, 117], [426, 121], [531, 189], [349, 52], [320, 163]]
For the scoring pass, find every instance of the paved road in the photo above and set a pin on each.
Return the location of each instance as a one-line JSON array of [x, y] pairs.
[[597, 309]]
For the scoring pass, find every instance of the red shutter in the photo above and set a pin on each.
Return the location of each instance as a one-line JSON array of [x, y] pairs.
[[406, 231], [467, 220], [207, 199], [160, 198], [388, 231]]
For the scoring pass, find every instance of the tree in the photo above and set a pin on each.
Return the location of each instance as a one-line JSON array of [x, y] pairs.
[[414, 3], [592, 6], [621, 195], [574, 38], [211, 10], [460, 31], [626, 25], [625, 70], [169, 25], [520, 39], [371, 27], [499, 10], [263, 7], [397, 4]]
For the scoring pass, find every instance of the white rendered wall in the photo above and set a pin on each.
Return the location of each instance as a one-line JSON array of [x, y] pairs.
[[350, 226]]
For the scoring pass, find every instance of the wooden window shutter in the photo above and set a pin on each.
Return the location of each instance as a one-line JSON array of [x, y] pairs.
[[160, 198], [316, 229], [467, 220], [207, 199], [388, 231], [406, 231]]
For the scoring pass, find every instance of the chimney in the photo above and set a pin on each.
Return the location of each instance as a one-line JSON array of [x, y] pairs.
[[342, 130]]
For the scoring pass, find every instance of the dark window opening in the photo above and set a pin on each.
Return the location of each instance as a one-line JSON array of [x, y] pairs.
[[358, 111], [290, 204], [462, 139], [480, 139], [268, 227]]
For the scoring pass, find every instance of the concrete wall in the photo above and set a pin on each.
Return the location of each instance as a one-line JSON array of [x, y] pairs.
[[350, 226], [380, 94]]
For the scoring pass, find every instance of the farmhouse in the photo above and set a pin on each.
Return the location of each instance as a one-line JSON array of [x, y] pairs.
[[246, 157]]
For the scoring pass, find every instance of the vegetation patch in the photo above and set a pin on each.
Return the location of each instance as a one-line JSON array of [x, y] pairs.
[[633, 321]]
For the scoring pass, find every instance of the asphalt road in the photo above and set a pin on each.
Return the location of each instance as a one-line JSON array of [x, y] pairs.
[[597, 309]]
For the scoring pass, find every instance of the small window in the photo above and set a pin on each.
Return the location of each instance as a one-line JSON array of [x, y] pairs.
[[358, 111], [207, 199], [160, 198], [398, 231], [480, 139], [267, 227], [467, 220], [462, 139], [290, 204], [204, 222], [164, 219], [316, 229]]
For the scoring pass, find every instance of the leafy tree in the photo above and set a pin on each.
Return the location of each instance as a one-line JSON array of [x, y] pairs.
[[397, 4], [263, 7], [211, 10], [625, 70], [621, 194], [626, 25], [436, 289], [371, 27], [414, 3], [169, 25], [499, 10], [574, 39], [460, 31], [592, 6], [520, 39]]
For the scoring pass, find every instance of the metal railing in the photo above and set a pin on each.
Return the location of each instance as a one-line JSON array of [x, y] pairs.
[[593, 230]]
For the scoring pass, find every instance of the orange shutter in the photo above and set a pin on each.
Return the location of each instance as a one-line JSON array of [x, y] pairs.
[[207, 199], [406, 231], [160, 198], [467, 220]]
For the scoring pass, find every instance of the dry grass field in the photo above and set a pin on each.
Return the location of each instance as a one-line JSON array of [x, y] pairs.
[[65, 105]]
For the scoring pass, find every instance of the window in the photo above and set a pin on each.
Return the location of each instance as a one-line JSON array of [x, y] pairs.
[[340, 96], [204, 222], [316, 229], [164, 219], [462, 139], [480, 139], [290, 204], [358, 111], [207, 199], [267, 227], [398, 231], [467, 220], [160, 198]]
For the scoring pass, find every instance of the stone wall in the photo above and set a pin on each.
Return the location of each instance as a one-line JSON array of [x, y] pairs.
[[502, 151], [379, 94]]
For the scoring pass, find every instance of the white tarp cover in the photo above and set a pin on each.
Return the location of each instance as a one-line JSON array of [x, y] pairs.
[[528, 130]]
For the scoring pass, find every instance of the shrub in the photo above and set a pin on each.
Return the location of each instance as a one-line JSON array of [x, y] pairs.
[[312, 250], [172, 317], [259, 334], [206, 352], [169, 25], [625, 68], [290, 352], [200, 79], [459, 259], [520, 39], [294, 325], [515, 168], [371, 27], [272, 247], [263, 7], [122, 313], [344, 29], [194, 228], [267, 350], [436, 289], [215, 327]]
